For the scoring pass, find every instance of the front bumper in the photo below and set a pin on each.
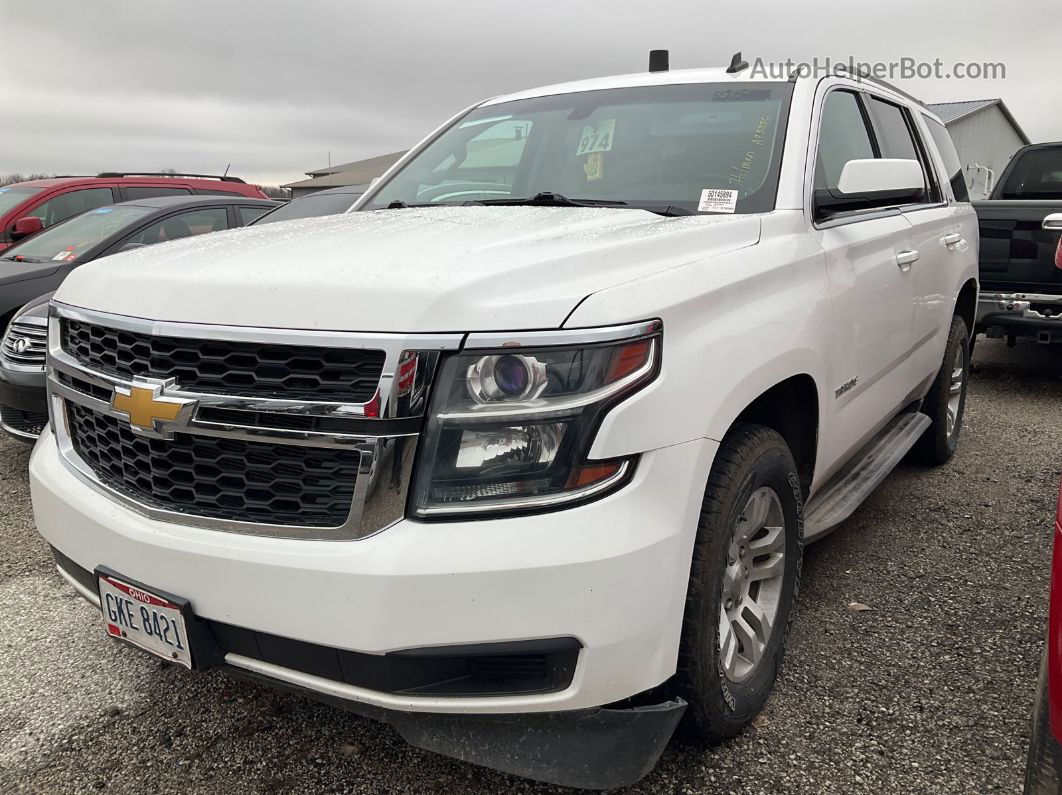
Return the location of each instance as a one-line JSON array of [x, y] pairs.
[[611, 574]]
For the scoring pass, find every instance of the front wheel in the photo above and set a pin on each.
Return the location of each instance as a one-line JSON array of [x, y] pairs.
[[743, 583], [946, 399]]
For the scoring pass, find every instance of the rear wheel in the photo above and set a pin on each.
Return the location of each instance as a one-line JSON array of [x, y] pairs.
[[743, 583], [946, 399]]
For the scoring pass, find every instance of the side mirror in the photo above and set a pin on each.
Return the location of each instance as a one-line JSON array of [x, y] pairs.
[[880, 182], [1053, 222], [24, 227], [131, 247]]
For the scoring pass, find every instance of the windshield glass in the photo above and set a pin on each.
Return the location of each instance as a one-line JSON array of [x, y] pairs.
[[311, 206], [67, 241], [12, 197], [708, 146], [1037, 175]]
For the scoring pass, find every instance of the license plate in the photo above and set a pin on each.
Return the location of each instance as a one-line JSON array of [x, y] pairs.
[[144, 619]]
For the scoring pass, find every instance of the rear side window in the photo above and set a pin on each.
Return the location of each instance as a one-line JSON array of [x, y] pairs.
[[67, 205], [952, 164], [193, 222], [843, 136], [151, 191]]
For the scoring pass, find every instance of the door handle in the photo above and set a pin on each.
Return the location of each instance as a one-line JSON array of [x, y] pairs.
[[905, 259], [953, 239]]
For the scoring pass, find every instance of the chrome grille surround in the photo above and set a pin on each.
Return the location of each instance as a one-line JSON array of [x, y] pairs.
[[25, 345], [383, 430]]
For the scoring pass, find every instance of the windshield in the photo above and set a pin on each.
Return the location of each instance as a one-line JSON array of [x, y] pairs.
[[310, 206], [66, 241], [1036, 175], [711, 147], [12, 197]]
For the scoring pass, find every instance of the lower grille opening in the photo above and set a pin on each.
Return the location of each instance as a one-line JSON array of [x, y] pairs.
[[218, 478], [25, 423]]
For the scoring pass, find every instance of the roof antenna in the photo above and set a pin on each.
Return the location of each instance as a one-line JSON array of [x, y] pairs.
[[658, 61], [736, 65]]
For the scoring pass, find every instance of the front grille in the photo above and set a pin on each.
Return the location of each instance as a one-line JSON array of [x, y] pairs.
[[216, 478], [22, 423], [247, 369], [25, 344]]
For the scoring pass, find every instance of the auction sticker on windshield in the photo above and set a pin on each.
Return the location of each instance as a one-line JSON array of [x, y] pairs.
[[597, 137], [718, 200], [144, 619]]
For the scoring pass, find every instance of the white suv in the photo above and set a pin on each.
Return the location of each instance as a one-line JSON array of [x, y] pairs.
[[520, 454]]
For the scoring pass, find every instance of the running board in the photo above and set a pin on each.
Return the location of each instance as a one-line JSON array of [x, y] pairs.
[[845, 492]]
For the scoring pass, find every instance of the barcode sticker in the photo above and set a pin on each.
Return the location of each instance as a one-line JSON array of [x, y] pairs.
[[718, 200]]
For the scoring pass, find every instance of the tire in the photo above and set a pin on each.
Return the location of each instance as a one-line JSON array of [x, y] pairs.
[[751, 461], [939, 442]]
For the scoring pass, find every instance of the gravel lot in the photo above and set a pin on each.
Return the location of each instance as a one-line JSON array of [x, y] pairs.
[[929, 691]]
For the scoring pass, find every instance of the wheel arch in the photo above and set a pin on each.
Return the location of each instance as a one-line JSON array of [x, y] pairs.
[[966, 304], [791, 407]]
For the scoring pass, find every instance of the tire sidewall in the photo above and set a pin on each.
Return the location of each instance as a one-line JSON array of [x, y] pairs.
[[736, 703]]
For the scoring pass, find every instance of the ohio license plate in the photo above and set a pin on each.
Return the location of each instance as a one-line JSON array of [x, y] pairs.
[[144, 619]]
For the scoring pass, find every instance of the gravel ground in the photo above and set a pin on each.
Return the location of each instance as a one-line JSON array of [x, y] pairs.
[[927, 692]]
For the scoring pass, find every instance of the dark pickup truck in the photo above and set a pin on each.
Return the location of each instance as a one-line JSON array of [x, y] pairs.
[[1021, 248]]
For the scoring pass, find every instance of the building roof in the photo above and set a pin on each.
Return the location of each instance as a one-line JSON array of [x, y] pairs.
[[372, 162], [951, 112]]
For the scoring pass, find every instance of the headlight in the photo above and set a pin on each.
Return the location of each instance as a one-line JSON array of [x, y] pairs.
[[509, 430]]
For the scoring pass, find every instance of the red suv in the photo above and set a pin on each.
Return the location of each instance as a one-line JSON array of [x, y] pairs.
[[28, 207]]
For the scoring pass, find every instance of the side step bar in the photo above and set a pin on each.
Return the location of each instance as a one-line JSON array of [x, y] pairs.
[[845, 492]]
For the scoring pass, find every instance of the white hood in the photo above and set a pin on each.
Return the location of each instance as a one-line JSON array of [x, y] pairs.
[[413, 270]]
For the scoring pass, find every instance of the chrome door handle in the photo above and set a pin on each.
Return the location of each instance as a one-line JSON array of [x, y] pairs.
[[953, 239], [905, 259]]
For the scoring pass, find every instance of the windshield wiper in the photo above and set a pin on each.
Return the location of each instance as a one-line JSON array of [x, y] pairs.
[[22, 258], [548, 199]]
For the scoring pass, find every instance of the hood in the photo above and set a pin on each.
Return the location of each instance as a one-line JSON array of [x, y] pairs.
[[13, 272], [433, 269]]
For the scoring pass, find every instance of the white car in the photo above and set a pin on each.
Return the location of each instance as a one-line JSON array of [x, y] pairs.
[[520, 455]]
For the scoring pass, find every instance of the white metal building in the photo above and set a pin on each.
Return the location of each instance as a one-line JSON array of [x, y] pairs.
[[986, 135]]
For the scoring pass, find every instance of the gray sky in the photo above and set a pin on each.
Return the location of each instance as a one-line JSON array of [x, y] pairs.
[[271, 87]]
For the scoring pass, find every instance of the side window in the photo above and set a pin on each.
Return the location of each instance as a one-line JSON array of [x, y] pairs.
[[150, 191], [248, 214], [67, 205], [952, 164], [193, 222], [843, 136], [895, 137], [218, 192]]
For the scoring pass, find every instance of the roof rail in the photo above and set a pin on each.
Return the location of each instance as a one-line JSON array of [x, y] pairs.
[[857, 75], [112, 174]]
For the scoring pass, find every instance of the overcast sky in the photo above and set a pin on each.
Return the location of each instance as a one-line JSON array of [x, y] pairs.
[[272, 87]]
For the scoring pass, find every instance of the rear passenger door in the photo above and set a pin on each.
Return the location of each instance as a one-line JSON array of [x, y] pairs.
[[872, 289], [935, 236]]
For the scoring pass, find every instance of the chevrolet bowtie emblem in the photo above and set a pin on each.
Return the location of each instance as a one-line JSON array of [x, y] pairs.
[[150, 412]]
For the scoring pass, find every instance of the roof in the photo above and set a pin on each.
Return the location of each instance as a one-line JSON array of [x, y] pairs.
[[382, 162], [951, 112], [169, 202]]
